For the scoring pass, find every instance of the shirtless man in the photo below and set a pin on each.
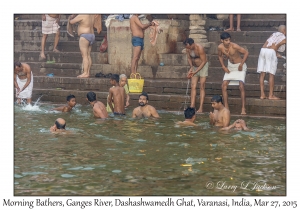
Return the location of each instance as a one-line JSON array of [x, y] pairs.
[[71, 102], [87, 38], [50, 25], [144, 110], [137, 29], [59, 125], [99, 109], [123, 83], [221, 115], [267, 60], [235, 72], [190, 116], [197, 60], [237, 125], [117, 94], [23, 81]]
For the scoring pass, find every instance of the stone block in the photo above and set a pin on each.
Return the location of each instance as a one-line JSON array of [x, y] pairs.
[[196, 17], [197, 36], [198, 31], [197, 23], [196, 28]]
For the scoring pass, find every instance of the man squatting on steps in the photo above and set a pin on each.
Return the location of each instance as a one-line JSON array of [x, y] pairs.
[[235, 72], [267, 60]]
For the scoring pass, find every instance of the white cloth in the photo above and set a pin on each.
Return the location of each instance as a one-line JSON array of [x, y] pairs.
[[108, 19], [235, 75], [267, 61], [27, 93], [49, 26], [276, 38]]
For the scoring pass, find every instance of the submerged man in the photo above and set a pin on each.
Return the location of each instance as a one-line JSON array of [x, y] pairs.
[[197, 60], [137, 30], [190, 116], [99, 108], [87, 38], [237, 125], [117, 95], [23, 81], [144, 110], [221, 115], [235, 72], [59, 125], [267, 60], [71, 102]]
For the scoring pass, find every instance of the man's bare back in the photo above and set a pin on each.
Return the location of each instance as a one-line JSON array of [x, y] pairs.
[[118, 95], [86, 24], [99, 110]]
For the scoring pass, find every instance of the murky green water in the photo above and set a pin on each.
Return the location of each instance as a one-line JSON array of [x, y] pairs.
[[124, 156]]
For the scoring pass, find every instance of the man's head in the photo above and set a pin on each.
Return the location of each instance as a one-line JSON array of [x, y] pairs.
[[17, 66], [188, 43], [216, 102], [225, 38], [282, 29], [114, 79], [190, 113], [143, 99], [60, 124], [71, 100], [123, 80], [91, 96]]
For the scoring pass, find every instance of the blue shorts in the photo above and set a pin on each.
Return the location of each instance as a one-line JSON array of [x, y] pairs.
[[137, 41]]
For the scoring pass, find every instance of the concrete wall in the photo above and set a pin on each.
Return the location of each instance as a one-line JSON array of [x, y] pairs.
[[120, 47]]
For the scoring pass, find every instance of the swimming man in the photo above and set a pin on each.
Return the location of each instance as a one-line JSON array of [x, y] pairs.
[[144, 110], [59, 125], [190, 116], [99, 108], [71, 102]]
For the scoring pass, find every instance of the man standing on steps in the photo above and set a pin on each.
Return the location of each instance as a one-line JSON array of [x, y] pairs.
[[50, 25], [137, 30], [235, 72], [197, 60], [267, 60], [87, 38]]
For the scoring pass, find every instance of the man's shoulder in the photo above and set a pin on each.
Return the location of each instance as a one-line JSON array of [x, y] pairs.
[[220, 46]]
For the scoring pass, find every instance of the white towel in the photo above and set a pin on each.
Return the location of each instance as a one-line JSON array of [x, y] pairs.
[[235, 75], [27, 93]]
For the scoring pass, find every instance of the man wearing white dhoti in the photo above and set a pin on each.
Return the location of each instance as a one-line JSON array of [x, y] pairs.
[[235, 72], [23, 81], [267, 60]]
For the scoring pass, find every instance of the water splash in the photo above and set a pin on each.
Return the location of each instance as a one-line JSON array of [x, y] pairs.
[[29, 107]]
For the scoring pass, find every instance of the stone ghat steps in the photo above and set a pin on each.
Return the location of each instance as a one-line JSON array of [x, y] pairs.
[[156, 86], [261, 22], [181, 59], [170, 102], [32, 24], [240, 37], [36, 35], [61, 57], [63, 46]]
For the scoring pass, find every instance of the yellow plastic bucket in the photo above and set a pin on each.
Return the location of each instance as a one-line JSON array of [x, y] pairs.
[[135, 85]]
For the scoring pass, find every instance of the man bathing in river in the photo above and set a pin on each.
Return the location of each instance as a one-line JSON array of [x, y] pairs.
[[221, 115], [71, 102], [99, 108], [190, 116], [144, 110]]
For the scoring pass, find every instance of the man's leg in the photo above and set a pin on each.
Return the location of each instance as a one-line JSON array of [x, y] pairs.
[[271, 92], [202, 93], [44, 38], [194, 81], [243, 97], [238, 26], [90, 59], [224, 93], [84, 48], [137, 61], [262, 85], [28, 100], [135, 58], [231, 28], [56, 41]]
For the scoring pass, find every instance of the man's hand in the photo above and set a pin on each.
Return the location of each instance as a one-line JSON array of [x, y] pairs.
[[212, 116], [190, 73], [226, 70], [43, 17], [127, 104], [240, 67], [19, 91]]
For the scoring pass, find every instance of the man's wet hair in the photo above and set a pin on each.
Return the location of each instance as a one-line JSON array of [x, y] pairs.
[[225, 35], [115, 77], [144, 94], [69, 97], [189, 113], [189, 41], [60, 126], [17, 64], [217, 98], [91, 96]]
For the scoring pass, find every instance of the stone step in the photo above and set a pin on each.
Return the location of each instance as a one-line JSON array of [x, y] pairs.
[[257, 22], [167, 101], [181, 59], [20, 25], [35, 16], [157, 86], [36, 35], [240, 37], [63, 46], [61, 57]]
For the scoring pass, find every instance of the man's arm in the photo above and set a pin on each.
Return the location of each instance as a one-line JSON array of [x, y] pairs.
[[220, 55], [134, 113], [28, 75], [139, 23], [226, 119], [15, 82], [76, 19], [43, 17], [58, 108], [154, 112], [127, 98], [109, 100], [228, 128], [189, 59], [242, 51], [212, 118]]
